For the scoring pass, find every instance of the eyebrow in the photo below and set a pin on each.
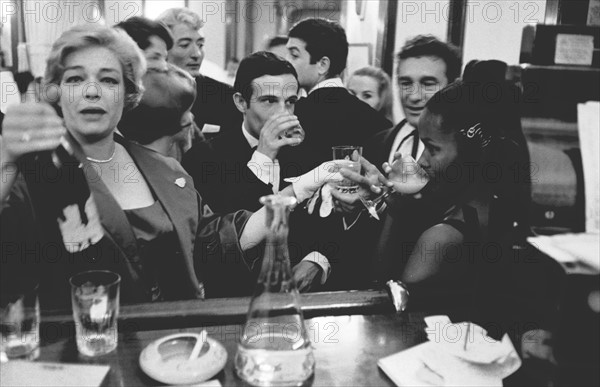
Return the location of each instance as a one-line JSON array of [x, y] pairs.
[[104, 69], [429, 78]]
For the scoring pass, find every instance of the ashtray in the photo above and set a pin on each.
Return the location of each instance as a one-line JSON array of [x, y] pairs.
[[183, 358]]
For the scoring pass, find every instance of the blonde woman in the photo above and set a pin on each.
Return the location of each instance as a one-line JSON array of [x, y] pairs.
[[372, 86]]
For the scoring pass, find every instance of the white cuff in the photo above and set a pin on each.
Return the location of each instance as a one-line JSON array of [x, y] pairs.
[[265, 169], [323, 263]]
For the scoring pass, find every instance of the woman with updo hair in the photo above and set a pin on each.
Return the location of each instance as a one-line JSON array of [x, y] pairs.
[[439, 241], [154, 229]]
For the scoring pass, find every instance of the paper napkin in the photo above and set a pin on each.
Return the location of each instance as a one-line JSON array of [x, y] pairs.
[[456, 355]]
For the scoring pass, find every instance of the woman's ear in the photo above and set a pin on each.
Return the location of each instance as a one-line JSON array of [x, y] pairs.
[[323, 66], [240, 103]]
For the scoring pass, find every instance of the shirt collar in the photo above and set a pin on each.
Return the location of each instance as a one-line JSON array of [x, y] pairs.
[[252, 141], [331, 82]]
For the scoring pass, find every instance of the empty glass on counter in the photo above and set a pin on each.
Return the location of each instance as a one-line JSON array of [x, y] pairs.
[[95, 296], [19, 320], [274, 349]]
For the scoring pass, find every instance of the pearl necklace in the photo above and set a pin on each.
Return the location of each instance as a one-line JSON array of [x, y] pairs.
[[108, 160]]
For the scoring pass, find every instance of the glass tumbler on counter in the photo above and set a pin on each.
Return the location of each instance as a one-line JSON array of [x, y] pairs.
[[19, 320], [95, 297], [347, 156], [274, 349]]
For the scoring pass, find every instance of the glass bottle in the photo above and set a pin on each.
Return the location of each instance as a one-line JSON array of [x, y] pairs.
[[274, 348], [60, 193]]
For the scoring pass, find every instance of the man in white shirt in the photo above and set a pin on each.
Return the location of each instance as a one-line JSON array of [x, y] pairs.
[[243, 163]]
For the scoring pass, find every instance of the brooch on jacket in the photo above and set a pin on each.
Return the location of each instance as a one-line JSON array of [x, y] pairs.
[[180, 182]]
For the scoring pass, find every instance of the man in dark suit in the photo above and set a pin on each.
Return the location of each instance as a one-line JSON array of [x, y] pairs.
[[214, 108], [425, 66], [243, 164], [330, 115]]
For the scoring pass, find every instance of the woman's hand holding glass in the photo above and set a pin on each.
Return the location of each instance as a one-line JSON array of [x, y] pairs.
[[404, 176], [370, 183]]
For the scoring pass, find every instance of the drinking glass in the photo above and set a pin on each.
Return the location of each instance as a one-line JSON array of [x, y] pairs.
[[408, 178], [350, 159], [19, 320], [95, 296], [295, 132]]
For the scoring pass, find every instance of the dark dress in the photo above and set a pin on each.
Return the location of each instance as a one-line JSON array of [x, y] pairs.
[[452, 288], [206, 245], [156, 241]]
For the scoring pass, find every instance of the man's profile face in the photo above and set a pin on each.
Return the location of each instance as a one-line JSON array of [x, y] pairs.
[[271, 95], [188, 49], [308, 74], [419, 78]]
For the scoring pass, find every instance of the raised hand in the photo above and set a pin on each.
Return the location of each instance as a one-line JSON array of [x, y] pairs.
[[30, 127], [272, 135], [370, 181]]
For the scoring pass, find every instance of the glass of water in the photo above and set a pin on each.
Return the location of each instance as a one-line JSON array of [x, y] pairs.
[[19, 320], [95, 297], [348, 157]]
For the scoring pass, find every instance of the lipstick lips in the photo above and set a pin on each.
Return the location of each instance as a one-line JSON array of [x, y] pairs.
[[93, 110]]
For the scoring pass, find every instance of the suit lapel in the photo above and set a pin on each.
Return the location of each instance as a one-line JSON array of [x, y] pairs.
[[171, 189]]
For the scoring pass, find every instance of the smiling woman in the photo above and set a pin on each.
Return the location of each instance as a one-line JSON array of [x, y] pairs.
[[157, 233]]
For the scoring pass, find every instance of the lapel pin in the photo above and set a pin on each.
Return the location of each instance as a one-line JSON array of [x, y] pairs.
[[180, 182]]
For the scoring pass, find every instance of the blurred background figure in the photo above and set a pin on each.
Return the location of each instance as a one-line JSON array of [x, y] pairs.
[[372, 86], [163, 121], [276, 45], [232, 67], [152, 37], [214, 107]]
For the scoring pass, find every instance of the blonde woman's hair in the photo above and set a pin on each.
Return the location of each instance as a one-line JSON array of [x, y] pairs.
[[173, 16], [384, 89], [129, 55]]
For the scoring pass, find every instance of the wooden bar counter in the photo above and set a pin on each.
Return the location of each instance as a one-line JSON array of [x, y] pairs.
[[349, 331]]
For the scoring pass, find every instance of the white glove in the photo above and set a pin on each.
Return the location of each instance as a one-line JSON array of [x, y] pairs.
[[306, 185], [323, 199]]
